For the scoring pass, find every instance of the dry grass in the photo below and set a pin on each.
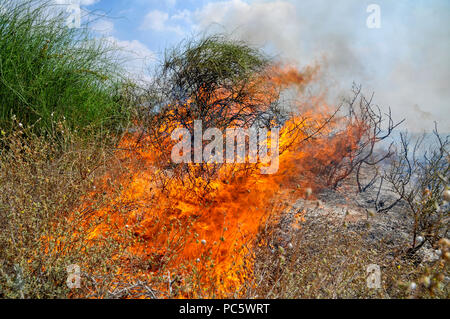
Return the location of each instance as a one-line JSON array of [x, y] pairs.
[[328, 259], [41, 182], [54, 151]]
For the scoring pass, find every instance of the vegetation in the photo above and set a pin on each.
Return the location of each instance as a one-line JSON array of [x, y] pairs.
[[213, 79], [40, 186], [420, 178], [63, 108], [335, 265], [50, 72]]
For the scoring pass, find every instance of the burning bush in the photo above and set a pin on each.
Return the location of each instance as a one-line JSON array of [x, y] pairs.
[[194, 223], [140, 224]]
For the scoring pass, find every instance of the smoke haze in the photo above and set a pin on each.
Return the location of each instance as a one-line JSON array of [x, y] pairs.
[[405, 62]]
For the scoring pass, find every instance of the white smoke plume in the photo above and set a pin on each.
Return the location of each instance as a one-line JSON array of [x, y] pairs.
[[405, 62]]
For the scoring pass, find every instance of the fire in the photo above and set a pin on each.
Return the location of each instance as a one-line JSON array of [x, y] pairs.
[[197, 230]]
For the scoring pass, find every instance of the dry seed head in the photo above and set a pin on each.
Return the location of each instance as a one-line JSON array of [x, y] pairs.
[[444, 242], [446, 195], [447, 255], [308, 192], [427, 281]]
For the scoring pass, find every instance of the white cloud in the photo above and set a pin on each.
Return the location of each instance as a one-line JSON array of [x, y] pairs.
[[161, 21], [155, 20], [77, 2], [136, 57], [171, 3], [183, 15], [88, 2], [103, 27]]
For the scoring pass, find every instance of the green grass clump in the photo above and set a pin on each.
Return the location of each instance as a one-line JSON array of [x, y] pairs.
[[214, 60], [49, 71]]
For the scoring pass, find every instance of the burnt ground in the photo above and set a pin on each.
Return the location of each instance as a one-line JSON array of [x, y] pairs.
[[345, 209]]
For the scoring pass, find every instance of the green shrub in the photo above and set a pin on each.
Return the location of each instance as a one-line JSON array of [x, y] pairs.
[[49, 71]]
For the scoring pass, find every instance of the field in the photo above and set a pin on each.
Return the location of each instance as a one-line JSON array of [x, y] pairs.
[[93, 204]]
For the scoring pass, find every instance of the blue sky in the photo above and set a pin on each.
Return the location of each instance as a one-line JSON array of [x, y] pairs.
[[157, 24], [405, 61]]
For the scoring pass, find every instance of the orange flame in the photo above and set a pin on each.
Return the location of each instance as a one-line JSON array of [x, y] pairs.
[[181, 228]]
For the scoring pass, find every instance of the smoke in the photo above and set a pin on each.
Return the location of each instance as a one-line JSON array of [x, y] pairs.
[[405, 62]]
